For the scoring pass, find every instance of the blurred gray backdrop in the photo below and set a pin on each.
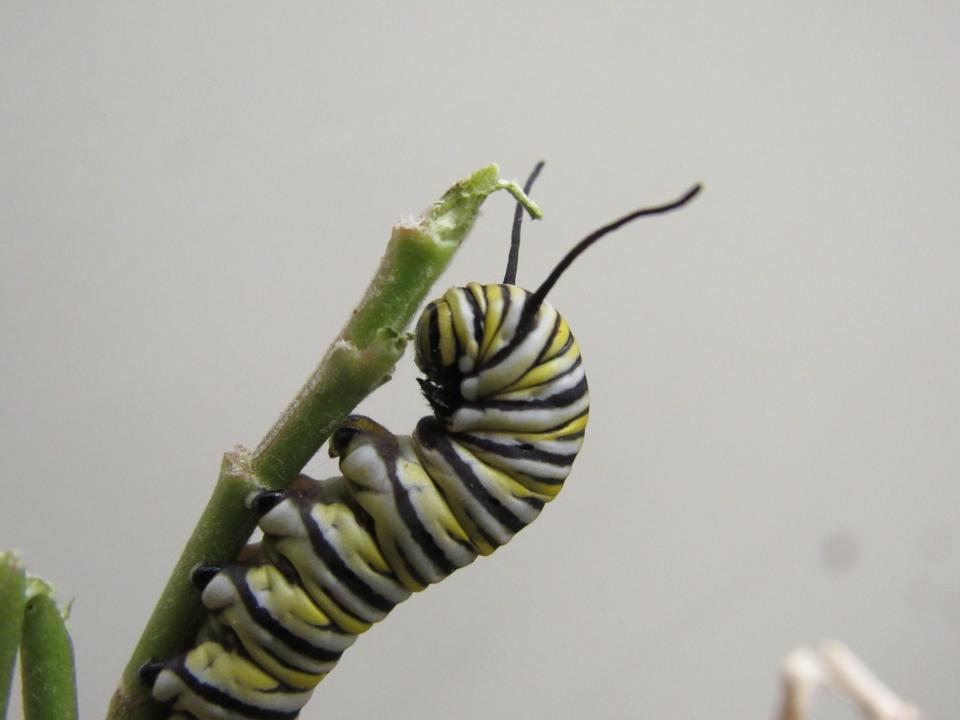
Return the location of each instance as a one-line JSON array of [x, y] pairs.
[[194, 195]]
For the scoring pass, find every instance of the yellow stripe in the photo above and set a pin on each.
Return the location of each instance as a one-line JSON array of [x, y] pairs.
[[286, 599], [441, 475], [292, 551], [552, 363], [389, 547], [423, 336], [295, 678], [492, 316], [476, 289], [209, 661], [574, 426], [560, 337], [353, 539], [430, 503], [547, 491], [448, 346], [344, 620], [461, 309]]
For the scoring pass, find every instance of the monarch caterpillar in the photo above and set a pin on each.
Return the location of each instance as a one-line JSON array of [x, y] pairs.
[[505, 381]]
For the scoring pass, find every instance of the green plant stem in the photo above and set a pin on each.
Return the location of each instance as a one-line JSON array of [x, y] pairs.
[[47, 663], [13, 600], [371, 342], [358, 361]]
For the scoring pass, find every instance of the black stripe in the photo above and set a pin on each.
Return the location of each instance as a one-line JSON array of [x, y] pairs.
[[414, 573], [566, 346], [408, 514], [226, 701], [562, 425], [533, 502], [465, 544], [435, 439], [457, 348], [520, 435], [523, 476], [484, 535], [522, 330], [539, 479], [434, 326], [553, 378], [264, 619], [423, 334], [549, 342], [343, 572], [477, 317], [505, 294], [523, 451], [560, 400]]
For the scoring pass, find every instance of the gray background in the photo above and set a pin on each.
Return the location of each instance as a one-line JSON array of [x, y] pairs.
[[194, 194]]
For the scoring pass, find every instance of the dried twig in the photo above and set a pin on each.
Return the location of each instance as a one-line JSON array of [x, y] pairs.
[[834, 666]]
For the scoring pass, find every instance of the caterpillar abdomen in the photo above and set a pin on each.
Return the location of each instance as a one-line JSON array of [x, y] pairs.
[[510, 401]]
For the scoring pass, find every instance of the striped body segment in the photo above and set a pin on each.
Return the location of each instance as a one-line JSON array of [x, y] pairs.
[[510, 406]]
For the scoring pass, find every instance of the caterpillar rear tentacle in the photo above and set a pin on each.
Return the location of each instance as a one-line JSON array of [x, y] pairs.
[[504, 377]]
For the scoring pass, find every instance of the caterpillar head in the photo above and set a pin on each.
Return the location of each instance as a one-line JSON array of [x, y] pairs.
[[497, 342], [481, 342]]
